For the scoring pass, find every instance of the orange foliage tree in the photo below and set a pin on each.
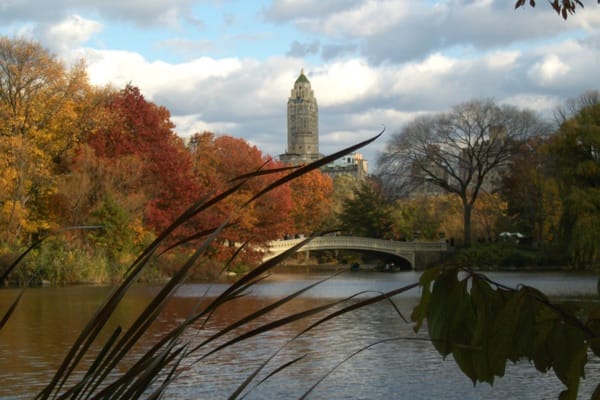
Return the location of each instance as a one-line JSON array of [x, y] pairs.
[[312, 199], [218, 160]]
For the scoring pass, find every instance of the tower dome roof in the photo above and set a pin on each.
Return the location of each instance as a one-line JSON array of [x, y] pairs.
[[302, 78]]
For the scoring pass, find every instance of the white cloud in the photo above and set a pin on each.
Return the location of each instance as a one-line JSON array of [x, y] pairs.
[[429, 74], [187, 125], [368, 19], [501, 60], [122, 67], [343, 82], [548, 70], [544, 104], [69, 33]]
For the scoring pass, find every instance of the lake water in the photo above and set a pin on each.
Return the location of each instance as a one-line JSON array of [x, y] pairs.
[[47, 321]]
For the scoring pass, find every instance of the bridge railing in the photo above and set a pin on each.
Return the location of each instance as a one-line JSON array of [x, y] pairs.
[[278, 246]]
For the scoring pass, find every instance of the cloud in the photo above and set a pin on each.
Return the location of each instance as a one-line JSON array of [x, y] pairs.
[[293, 10], [185, 47], [247, 98], [371, 63], [548, 70], [139, 12], [69, 33], [344, 82], [331, 51], [298, 49], [392, 31]]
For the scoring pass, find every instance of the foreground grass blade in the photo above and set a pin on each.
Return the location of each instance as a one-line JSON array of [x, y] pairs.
[[11, 309], [37, 243], [164, 358], [322, 378], [364, 303], [352, 307], [153, 309], [239, 390], [257, 314]]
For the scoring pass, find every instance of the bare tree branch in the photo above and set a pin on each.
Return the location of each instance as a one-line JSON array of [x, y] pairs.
[[462, 152]]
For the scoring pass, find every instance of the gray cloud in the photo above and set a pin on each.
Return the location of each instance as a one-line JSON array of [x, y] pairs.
[[460, 24], [331, 51], [282, 11], [400, 31], [298, 49], [139, 12]]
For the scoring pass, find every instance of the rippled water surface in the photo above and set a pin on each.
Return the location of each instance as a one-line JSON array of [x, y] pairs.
[[47, 321]]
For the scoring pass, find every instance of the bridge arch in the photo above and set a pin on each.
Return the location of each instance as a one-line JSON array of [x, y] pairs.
[[405, 250]]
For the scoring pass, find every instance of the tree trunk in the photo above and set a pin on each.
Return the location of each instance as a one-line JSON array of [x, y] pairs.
[[467, 208]]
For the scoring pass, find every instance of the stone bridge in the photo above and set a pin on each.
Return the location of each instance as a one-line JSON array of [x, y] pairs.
[[417, 253]]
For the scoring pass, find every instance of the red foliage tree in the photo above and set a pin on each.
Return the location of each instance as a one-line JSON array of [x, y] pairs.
[[135, 127]]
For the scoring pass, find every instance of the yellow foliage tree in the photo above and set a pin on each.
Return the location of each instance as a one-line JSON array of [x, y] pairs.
[[41, 108]]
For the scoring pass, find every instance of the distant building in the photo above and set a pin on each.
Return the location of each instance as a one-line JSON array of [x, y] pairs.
[[303, 134], [351, 164], [302, 124]]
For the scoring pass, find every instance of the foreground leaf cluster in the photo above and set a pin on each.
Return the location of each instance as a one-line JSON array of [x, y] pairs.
[[564, 8], [483, 325]]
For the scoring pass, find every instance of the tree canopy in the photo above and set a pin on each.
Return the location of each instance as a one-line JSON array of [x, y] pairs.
[[367, 212], [462, 152], [41, 103], [576, 152]]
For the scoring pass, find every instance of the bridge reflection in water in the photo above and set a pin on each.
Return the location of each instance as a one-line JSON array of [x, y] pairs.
[[417, 253]]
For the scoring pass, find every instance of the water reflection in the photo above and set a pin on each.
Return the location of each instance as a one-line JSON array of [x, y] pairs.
[[47, 321]]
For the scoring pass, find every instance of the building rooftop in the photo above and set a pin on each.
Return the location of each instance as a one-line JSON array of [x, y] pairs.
[[302, 78]]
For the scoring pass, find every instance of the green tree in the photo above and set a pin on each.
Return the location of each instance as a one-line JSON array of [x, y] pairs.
[[417, 218], [367, 213], [576, 153], [117, 235], [531, 191]]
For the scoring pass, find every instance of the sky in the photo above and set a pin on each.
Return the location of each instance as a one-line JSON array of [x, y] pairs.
[[228, 66]]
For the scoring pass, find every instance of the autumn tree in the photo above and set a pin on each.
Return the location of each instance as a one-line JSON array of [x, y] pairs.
[[312, 200], [138, 136], [218, 161], [462, 152], [40, 120]]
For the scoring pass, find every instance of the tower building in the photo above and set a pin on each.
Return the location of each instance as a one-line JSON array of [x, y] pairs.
[[302, 124], [303, 134]]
